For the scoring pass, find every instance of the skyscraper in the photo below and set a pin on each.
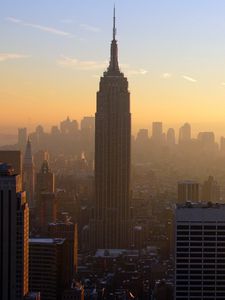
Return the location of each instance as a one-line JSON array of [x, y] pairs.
[[14, 234], [112, 156], [185, 133], [22, 138], [188, 190], [47, 267], [157, 132], [28, 174], [199, 251]]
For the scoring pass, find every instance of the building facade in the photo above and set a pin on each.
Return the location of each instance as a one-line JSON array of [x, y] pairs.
[[200, 251], [112, 157], [14, 234]]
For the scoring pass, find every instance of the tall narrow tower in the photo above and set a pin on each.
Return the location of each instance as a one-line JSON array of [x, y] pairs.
[[112, 156], [28, 174]]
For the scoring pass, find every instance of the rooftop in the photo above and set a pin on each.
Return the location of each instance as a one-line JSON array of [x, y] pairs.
[[46, 241]]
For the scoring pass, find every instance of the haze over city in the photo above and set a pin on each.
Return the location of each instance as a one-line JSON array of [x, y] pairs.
[[171, 51], [112, 150]]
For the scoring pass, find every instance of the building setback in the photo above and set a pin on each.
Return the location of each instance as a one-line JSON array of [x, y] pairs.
[[109, 227]]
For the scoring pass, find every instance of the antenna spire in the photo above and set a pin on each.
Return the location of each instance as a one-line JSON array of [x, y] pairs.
[[114, 22]]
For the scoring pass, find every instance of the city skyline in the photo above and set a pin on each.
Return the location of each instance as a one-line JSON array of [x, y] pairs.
[[179, 63]]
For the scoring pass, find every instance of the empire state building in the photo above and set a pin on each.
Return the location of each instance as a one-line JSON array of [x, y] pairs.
[[110, 225]]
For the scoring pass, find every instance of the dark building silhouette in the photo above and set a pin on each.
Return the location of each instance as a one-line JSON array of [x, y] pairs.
[[112, 157], [13, 158], [14, 234], [47, 267], [47, 208], [68, 230], [45, 181]]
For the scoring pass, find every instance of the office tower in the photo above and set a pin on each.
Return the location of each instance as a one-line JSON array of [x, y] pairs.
[[157, 131], [199, 251], [47, 210], [68, 127], [170, 137], [67, 230], [45, 180], [39, 157], [14, 233], [188, 190], [88, 123], [12, 158], [210, 190], [87, 135], [22, 139], [28, 174], [185, 133], [207, 142], [47, 267], [142, 136], [112, 157]]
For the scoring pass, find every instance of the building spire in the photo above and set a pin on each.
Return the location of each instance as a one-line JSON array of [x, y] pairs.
[[114, 65], [114, 22]]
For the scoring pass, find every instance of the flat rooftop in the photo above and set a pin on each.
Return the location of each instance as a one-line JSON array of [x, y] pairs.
[[46, 241]]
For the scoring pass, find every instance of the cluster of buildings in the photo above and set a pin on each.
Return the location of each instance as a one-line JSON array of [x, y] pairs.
[[136, 239]]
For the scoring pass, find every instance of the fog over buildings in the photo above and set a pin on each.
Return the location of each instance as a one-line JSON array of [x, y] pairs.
[[90, 210]]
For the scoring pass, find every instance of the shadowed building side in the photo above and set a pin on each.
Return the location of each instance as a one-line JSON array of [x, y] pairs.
[[112, 157]]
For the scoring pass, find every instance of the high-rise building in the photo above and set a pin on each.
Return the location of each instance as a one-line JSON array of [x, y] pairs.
[[199, 252], [157, 132], [14, 234], [188, 190], [210, 190], [170, 137], [68, 230], [28, 174], [142, 136], [47, 267], [22, 139], [112, 157], [45, 180], [185, 133], [69, 127], [47, 210]]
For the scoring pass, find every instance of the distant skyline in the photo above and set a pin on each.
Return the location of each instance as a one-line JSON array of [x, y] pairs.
[[53, 53]]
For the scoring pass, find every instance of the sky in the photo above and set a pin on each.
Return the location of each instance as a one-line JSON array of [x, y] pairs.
[[53, 52]]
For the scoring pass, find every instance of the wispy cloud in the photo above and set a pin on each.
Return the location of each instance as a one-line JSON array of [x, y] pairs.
[[84, 65], [91, 65], [131, 71], [188, 78], [136, 72], [223, 83], [90, 28], [166, 75], [51, 30], [11, 56]]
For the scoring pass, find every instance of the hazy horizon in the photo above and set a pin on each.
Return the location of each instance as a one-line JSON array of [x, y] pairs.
[[172, 54]]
